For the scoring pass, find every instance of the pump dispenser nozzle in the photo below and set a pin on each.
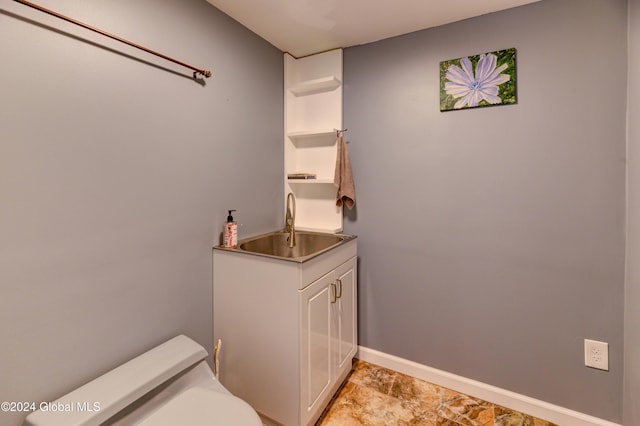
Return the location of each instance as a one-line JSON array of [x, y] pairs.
[[230, 218]]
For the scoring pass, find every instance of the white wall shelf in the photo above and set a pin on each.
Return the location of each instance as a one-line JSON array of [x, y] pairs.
[[311, 134], [310, 182], [317, 85]]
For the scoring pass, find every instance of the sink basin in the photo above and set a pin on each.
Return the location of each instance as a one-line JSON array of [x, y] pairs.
[[307, 244]]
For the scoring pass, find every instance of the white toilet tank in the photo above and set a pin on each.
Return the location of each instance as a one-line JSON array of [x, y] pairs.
[[170, 384]]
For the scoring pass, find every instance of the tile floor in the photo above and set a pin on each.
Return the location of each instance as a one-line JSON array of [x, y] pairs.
[[376, 396]]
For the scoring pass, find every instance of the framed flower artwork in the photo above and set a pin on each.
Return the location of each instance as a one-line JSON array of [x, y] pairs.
[[477, 81]]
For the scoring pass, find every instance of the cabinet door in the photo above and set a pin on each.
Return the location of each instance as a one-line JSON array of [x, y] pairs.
[[315, 344], [344, 324]]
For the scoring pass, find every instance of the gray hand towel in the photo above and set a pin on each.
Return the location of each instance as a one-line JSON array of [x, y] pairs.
[[343, 178]]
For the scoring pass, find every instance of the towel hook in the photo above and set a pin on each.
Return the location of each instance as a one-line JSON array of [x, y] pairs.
[[338, 131]]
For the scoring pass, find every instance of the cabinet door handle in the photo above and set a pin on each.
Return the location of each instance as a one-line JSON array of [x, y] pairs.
[[334, 293], [339, 289]]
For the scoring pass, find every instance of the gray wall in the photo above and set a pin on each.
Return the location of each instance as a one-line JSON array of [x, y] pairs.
[[632, 295], [115, 175], [491, 240]]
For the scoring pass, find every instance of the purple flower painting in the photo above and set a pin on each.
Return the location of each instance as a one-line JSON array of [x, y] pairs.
[[480, 80]]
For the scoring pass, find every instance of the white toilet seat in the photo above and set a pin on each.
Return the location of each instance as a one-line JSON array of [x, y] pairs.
[[199, 406]]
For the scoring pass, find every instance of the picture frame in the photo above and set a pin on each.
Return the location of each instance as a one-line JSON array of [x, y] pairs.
[[481, 80]]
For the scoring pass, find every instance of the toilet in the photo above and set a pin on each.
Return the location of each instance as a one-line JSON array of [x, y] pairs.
[[169, 385]]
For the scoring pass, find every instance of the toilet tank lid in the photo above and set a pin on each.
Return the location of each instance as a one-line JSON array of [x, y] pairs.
[[101, 398]]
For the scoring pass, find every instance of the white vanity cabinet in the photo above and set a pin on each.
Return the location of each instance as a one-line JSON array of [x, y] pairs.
[[327, 336], [288, 329]]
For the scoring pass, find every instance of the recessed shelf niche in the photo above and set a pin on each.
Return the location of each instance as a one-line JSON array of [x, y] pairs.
[[313, 113]]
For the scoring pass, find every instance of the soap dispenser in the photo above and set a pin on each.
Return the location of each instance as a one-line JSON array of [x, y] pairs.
[[230, 232]]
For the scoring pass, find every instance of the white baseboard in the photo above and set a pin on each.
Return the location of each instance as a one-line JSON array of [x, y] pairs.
[[534, 407]]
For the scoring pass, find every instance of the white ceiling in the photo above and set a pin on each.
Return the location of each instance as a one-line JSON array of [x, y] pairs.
[[304, 27]]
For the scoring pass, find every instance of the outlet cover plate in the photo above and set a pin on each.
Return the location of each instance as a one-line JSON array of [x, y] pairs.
[[596, 354]]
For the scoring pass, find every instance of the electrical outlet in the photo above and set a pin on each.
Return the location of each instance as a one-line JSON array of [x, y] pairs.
[[596, 354]]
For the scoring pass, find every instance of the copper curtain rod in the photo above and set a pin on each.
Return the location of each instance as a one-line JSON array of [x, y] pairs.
[[196, 71]]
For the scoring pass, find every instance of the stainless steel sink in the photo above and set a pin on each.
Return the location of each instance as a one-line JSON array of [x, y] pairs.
[[308, 244]]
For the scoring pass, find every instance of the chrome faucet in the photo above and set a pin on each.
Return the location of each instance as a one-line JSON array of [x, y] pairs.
[[290, 220]]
